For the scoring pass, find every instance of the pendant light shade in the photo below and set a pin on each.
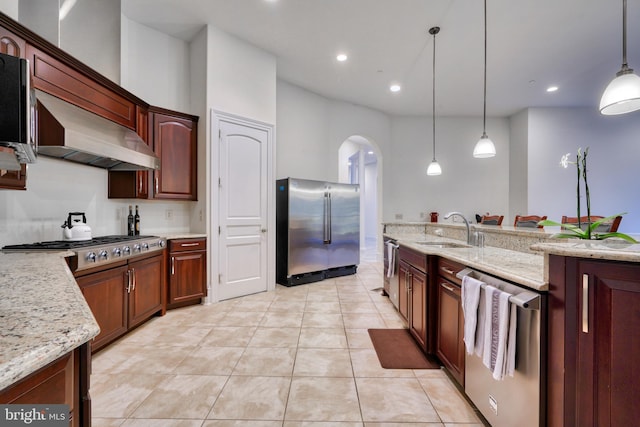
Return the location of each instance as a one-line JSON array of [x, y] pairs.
[[434, 167], [484, 147], [623, 93]]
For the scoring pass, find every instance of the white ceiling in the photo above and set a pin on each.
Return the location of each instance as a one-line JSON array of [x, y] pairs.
[[575, 44]]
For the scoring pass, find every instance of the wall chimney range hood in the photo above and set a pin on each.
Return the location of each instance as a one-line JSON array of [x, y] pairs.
[[68, 132]]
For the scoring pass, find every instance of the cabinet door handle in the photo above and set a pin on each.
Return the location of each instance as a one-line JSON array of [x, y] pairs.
[[585, 303], [140, 184], [128, 281], [156, 179], [133, 274], [173, 261], [447, 287], [446, 270]]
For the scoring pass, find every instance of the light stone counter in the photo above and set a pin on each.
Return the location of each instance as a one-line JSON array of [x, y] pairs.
[[43, 314], [615, 250], [522, 268], [184, 236]]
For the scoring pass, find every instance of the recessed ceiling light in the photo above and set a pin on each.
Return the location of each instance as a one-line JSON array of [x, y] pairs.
[[369, 152], [341, 57], [395, 88], [552, 88]]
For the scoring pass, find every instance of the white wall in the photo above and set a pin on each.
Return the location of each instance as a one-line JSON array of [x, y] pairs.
[[614, 150], [10, 8], [518, 166], [91, 33], [155, 66], [303, 134], [241, 79], [197, 85], [467, 184], [56, 187]]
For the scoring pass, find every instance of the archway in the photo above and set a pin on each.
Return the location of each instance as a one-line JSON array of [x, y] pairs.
[[359, 162]]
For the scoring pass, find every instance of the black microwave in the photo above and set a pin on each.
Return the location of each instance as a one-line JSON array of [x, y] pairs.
[[15, 107]]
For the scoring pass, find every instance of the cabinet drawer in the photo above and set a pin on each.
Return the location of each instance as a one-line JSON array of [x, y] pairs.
[[181, 245], [416, 259], [448, 269]]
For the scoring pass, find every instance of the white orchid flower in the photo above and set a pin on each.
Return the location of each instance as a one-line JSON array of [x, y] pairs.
[[564, 161]]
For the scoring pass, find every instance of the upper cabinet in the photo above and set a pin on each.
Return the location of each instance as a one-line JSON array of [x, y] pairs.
[[175, 143], [173, 137], [11, 44]]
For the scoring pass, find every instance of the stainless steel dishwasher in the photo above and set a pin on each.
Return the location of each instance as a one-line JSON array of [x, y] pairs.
[[391, 284], [517, 400]]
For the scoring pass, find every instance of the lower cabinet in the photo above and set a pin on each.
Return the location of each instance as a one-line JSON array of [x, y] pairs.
[[123, 297], [187, 271], [63, 381], [450, 323], [414, 296], [593, 349]]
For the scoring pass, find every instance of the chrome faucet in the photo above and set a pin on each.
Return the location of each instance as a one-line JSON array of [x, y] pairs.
[[450, 214]]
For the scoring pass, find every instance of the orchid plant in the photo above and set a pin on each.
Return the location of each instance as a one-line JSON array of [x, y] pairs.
[[576, 230]]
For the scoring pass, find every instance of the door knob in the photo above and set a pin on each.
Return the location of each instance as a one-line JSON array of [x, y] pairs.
[[264, 230]]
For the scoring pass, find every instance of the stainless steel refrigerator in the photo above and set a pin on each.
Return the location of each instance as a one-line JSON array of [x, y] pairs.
[[317, 230]]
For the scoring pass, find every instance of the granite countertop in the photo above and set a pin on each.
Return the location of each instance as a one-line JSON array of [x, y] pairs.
[[614, 250], [43, 314], [518, 267], [185, 235]]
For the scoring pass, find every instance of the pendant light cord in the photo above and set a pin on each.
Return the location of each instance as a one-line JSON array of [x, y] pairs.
[[433, 98], [625, 66], [484, 110]]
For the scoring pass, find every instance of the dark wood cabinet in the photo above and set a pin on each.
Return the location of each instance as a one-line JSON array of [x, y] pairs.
[[132, 184], [175, 143], [414, 296], [173, 137], [123, 297], [55, 77], [106, 294], [594, 346], [63, 381], [187, 271], [450, 319], [11, 44], [146, 295]]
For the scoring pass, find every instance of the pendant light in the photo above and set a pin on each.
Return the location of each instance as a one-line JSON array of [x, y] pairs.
[[434, 167], [623, 93], [484, 147]]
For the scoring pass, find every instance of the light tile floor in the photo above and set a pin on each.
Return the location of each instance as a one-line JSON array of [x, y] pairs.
[[294, 357]]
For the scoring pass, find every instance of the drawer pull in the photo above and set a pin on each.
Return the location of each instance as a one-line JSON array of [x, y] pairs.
[[184, 245], [447, 287], [446, 270]]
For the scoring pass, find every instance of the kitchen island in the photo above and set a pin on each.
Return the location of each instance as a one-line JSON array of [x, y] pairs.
[[589, 318], [45, 328]]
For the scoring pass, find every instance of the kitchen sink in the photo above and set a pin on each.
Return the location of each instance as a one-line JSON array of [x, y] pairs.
[[443, 244]]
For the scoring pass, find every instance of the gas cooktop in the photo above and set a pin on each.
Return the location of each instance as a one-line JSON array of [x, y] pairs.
[[99, 250], [68, 244]]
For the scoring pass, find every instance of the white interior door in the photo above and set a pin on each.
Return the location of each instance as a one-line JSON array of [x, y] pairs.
[[243, 191]]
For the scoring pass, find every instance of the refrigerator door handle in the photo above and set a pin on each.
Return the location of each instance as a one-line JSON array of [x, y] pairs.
[[329, 220], [326, 238]]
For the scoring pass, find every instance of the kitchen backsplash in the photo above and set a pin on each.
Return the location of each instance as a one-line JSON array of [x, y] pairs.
[[55, 188]]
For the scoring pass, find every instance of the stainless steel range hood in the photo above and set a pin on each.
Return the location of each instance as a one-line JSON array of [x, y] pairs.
[[71, 133]]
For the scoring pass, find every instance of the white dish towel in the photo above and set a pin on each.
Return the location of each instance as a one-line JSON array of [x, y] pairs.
[[499, 349], [391, 256], [470, 299]]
